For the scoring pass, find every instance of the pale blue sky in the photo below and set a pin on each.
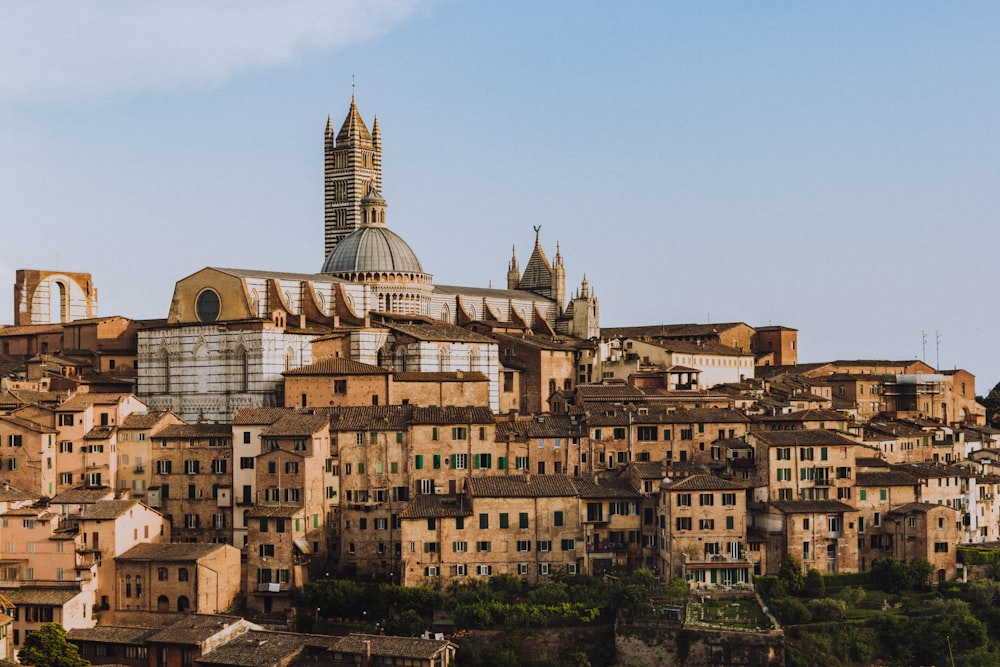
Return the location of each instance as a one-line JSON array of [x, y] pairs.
[[831, 167]]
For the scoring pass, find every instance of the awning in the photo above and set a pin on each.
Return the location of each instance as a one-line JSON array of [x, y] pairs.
[[303, 545]]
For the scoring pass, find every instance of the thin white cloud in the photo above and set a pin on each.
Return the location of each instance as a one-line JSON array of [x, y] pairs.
[[56, 50]]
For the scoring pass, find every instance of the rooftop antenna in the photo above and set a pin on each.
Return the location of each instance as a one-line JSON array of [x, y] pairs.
[[923, 354], [937, 350]]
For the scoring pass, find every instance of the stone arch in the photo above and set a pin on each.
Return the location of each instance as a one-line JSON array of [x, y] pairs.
[[183, 604], [163, 603]]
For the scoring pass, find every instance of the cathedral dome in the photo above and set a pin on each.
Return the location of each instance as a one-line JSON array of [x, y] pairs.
[[372, 249]]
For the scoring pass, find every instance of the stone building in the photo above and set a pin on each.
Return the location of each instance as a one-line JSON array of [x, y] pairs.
[[704, 519], [198, 578], [192, 483]]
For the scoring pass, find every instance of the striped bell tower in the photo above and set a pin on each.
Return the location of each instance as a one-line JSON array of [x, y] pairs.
[[352, 164]]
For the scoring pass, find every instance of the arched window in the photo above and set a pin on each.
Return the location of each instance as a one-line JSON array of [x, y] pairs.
[[289, 359], [138, 585], [183, 604], [58, 302], [401, 359], [254, 303], [243, 359], [128, 585], [444, 360], [165, 365], [474, 359]]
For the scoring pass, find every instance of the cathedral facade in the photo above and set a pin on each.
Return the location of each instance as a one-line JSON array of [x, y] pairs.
[[231, 333]]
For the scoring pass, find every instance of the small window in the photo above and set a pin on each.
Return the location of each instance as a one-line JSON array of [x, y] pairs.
[[208, 306]]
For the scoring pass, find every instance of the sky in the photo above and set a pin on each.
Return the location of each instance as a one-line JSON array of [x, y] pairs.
[[831, 167]]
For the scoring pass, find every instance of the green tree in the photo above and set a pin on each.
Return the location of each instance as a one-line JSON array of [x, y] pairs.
[[790, 574], [48, 647]]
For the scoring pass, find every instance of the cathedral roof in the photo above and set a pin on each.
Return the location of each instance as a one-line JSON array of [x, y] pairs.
[[372, 249], [538, 272]]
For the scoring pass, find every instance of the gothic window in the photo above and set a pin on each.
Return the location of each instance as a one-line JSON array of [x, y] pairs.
[[444, 360], [165, 363], [289, 359], [473, 359], [400, 359], [243, 358]]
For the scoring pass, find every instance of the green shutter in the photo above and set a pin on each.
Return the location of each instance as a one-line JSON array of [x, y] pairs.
[[420, 462], [437, 461], [502, 462]]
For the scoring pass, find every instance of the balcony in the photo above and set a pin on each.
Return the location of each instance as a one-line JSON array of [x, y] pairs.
[[607, 547], [139, 469], [271, 587], [823, 482]]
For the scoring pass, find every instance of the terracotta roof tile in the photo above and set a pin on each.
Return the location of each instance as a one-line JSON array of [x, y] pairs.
[[433, 506], [521, 486], [338, 366], [704, 483]]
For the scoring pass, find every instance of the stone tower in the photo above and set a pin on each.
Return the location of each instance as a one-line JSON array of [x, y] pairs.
[[352, 165], [513, 271]]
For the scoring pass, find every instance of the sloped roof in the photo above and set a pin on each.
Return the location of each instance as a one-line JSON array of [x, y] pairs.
[[338, 366], [437, 505], [107, 509], [259, 416], [521, 486], [704, 483], [170, 551], [609, 488], [298, 424]]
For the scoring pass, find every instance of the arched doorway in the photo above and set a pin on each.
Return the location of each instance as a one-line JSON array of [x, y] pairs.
[[183, 604], [162, 603]]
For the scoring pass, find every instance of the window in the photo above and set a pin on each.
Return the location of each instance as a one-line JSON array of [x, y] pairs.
[[340, 387], [706, 499], [459, 433], [484, 570], [646, 433], [292, 468], [557, 518], [683, 499], [940, 547], [706, 524], [683, 523], [460, 570], [191, 467], [459, 547], [161, 574], [544, 545], [460, 461], [524, 545], [163, 467], [522, 520], [14, 440], [568, 544], [246, 462], [543, 568], [484, 521], [219, 466], [182, 574], [484, 545], [504, 521], [728, 498]]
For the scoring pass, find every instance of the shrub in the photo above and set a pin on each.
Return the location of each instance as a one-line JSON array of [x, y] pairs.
[[827, 609], [814, 585]]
